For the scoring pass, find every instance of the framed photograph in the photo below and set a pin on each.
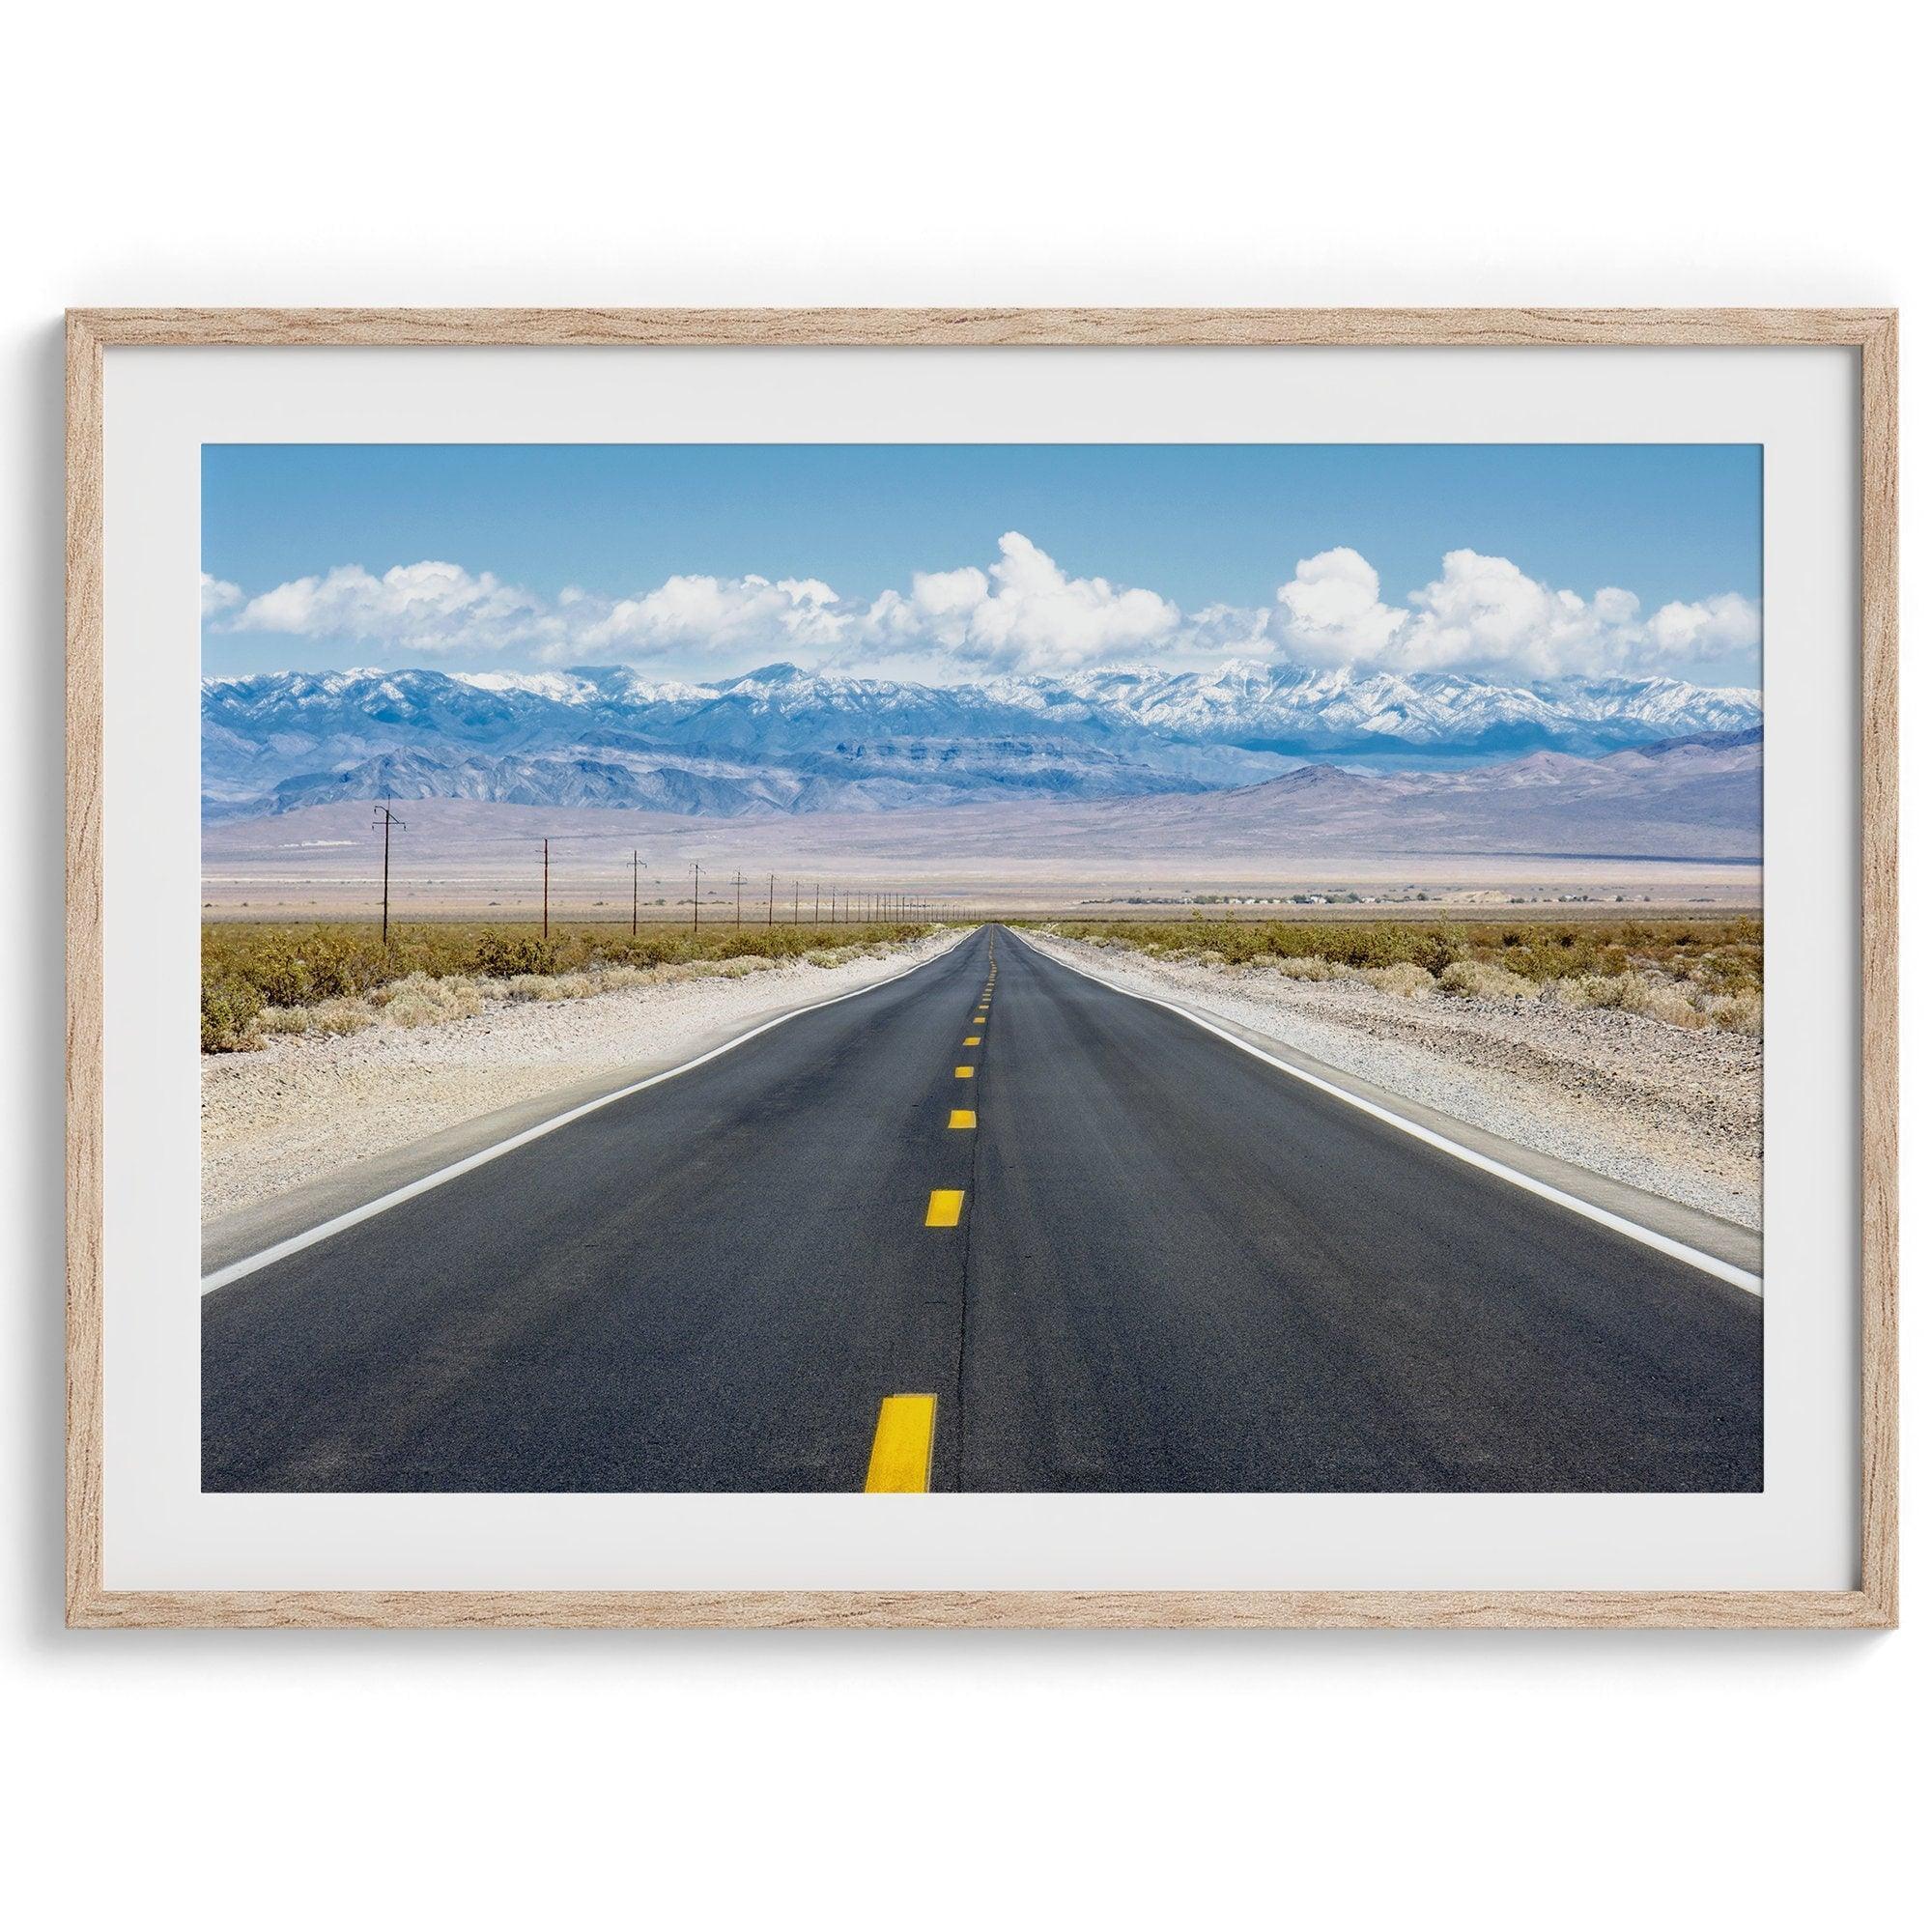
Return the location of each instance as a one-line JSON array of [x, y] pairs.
[[1029, 968]]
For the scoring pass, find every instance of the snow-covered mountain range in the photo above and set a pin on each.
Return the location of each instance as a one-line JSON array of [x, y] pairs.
[[784, 740]]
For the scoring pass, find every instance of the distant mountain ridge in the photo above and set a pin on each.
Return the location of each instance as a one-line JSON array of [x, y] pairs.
[[1636, 817], [782, 740]]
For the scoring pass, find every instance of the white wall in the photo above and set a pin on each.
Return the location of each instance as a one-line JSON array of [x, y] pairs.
[[999, 154]]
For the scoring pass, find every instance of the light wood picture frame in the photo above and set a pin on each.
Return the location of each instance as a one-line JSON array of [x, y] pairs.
[[92, 335]]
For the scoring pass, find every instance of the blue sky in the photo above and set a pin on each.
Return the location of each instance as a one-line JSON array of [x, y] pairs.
[[958, 562]]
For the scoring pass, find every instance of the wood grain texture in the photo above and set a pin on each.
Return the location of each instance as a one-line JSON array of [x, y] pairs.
[[941, 327], [85, 1014], [1873, 333], [1879, 942], [1002, 1610]]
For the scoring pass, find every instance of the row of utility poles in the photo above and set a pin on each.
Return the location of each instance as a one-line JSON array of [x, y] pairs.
[[831, 905]]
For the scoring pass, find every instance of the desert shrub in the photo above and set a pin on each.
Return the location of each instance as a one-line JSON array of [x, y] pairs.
[[301, 970], [548, 987], [1716, 955], [250, 968], [325, 1017], [423, 999], [1733, 969], [1623, 992], [736, 968], [1433, 953], [1405, 980], [1478, 980], [1590, 990], [280, 975], [1694, 973], [655, 948], [340, 1016], [1664, 1002], [1737, 1013], [1662, 997], [512, 956], [230, 1008], [1300, 966]]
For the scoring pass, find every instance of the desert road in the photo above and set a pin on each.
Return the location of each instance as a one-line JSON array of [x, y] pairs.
[[1095, 1246]]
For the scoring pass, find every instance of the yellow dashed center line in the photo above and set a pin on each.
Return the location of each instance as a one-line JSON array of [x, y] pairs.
[[901, 1461]]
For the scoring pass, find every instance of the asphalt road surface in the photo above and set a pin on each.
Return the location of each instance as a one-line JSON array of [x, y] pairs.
[[1150, 1262]]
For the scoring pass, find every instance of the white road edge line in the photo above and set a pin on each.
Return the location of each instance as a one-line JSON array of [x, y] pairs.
[[1681, 1251], [235, 1270]]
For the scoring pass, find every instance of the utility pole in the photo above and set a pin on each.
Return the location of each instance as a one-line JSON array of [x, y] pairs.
[[814, 901], [388, 819], [546, 888], [771, 900], [633, 895], [693, 898], [794, 901], [738, 880]]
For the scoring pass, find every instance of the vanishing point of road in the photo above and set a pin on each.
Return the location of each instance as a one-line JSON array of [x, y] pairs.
[[991, 1225]]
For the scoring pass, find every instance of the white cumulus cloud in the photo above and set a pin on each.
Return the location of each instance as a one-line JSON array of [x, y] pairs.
[[217, 597], [1486, 615], [1331, 610], [1023, 614], [1223, 631], [433, 607], [425, 606], [710, 614]]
